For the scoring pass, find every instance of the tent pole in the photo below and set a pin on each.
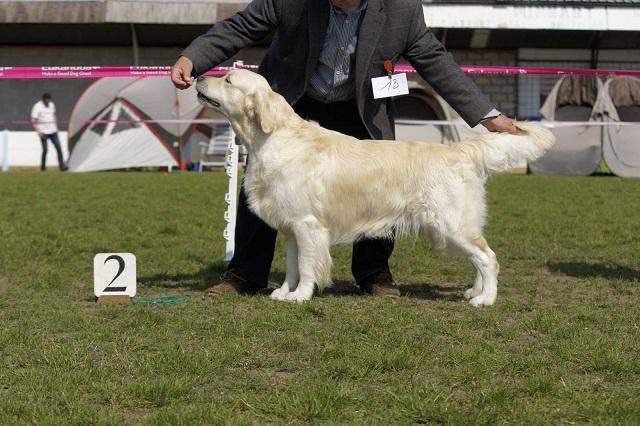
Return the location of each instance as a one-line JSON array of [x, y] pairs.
[[134, 45], [5, 150]]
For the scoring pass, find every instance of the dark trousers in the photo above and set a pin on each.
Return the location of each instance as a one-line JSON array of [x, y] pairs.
[[255, 240], [53, 137]]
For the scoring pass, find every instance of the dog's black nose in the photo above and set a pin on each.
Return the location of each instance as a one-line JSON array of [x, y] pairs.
[[200, 78]]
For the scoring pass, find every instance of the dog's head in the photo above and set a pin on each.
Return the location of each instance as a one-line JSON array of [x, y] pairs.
[[246, 99]]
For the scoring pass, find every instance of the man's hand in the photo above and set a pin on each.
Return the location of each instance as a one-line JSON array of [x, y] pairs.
[[34, 124], [503, 124], [181, 73]]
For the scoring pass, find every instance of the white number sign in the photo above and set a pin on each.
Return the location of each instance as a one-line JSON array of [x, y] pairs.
[[114, 274], [384, 87]]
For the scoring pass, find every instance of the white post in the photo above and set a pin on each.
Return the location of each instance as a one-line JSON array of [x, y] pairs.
[[5, 150], [231, 197]]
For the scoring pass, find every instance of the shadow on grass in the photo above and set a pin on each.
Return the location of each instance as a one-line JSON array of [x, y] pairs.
[[432, 292], [210, 274], [197, 281], [415, 291], [584, 270], [343, 288]]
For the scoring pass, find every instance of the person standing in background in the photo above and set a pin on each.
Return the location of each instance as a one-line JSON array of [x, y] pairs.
[[45, 122]]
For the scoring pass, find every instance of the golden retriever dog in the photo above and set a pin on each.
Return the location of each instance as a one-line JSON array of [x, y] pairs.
[[320, 187]]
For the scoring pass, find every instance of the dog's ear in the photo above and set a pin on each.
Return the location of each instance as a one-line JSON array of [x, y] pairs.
[[263, 111]]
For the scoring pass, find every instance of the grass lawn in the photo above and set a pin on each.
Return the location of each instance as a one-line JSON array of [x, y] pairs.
[[561, 345]]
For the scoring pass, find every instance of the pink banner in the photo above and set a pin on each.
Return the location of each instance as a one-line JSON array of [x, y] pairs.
[[492, 69], [163, 71], [96, 72]]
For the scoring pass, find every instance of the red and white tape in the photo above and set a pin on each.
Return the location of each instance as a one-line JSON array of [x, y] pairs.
[[491, 69], [158, 121], [550, 124], [164, 71]]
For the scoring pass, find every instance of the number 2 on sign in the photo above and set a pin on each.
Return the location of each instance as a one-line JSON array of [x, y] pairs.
[[384, 87], [120, 261], [114, 274]]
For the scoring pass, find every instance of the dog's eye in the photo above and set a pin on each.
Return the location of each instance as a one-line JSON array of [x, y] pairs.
[[227, 80]]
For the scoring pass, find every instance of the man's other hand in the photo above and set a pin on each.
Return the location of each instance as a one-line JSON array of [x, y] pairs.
[[181, 73], [503, 124]]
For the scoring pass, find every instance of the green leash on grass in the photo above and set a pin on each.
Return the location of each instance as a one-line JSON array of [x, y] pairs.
[[160, 300]]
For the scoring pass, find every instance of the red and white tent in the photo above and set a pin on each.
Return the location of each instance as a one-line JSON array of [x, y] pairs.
[[108, 128]]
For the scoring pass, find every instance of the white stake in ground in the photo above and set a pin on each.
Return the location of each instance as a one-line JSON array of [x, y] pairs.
[[231, 197]]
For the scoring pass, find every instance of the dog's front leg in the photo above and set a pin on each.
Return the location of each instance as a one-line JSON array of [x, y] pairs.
[[292, 275], [314, 259]]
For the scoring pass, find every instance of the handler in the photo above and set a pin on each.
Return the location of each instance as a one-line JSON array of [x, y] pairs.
[[322, 59]]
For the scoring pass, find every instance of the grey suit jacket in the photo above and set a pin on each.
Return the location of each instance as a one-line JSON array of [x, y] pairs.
[[390, 29]]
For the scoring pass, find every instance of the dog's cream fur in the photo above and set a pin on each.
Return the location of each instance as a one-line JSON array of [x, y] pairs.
[[320, 187]]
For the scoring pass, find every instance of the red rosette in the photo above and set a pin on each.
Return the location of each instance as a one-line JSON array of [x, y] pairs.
[[388, 66]]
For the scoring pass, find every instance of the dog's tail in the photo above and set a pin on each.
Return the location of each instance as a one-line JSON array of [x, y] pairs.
[[497, 152]]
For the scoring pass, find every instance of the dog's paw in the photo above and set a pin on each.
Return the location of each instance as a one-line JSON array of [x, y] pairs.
[[471, 293], [278, 294], [482, 300], [296, 297]]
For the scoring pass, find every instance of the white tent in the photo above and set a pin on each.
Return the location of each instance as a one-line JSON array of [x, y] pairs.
[[98, 143], [619, 101]]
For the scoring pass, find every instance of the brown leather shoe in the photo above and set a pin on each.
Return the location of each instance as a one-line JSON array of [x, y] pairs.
[[231, 283], [380, 284]]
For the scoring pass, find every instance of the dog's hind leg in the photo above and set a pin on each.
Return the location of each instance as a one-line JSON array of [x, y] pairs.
[[314, 259], [292, 275], [485, 288]]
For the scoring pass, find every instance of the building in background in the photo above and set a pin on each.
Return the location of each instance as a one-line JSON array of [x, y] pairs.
[[569, 33], [572, 33]]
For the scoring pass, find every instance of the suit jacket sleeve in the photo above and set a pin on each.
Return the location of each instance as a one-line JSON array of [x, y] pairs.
[[227, 37], [437, 66]]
